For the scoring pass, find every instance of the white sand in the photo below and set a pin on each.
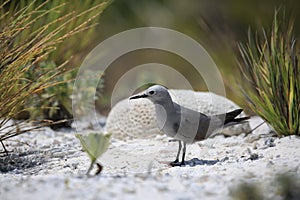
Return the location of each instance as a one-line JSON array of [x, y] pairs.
[[54, 167]]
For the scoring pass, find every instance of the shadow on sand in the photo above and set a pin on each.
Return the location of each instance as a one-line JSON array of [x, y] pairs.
[[195, 161]]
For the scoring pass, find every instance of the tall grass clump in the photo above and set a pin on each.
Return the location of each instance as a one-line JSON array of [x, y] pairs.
[[60, 20], [270, 65], [25, 42]]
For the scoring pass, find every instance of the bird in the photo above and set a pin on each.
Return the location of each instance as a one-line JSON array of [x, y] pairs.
[[183, 124]]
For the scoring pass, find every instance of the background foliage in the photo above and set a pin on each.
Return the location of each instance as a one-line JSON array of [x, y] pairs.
[[30, 34], [58, 21], [36, 38], [217, 25]]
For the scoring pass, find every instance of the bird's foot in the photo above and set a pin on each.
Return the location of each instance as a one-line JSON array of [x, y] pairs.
[[176, 163]]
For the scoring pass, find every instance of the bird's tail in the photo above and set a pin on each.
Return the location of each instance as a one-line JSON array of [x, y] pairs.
[[230, 118]]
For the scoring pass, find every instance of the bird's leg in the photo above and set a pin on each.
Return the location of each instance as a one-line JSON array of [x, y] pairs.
[[175, 163], [183, 154], [179, 149]]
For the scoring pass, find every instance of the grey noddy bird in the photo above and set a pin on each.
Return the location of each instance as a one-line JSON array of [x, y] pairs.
[[183, 124]]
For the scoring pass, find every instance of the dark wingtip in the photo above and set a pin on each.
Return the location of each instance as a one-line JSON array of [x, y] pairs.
[[230, 116], [138, 96], [238, 111]]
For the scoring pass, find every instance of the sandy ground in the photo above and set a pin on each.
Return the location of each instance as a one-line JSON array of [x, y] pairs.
[[51, 165]]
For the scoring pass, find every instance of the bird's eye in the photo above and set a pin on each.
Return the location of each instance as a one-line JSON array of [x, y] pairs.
[[151, 92]]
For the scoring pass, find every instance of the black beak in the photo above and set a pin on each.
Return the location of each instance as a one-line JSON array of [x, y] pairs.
[[138, 96]]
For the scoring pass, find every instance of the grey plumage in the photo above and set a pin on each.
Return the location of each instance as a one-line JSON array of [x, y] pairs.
[[184, 124]]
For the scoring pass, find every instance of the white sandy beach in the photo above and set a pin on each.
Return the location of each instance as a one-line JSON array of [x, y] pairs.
[[51, 165]]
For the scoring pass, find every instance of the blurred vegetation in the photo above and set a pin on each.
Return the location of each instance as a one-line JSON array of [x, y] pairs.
[[270, 66], [53, 102], [286, 186], [289, 187], [217, 25], [247, 191], [30, 33], [78, 17]]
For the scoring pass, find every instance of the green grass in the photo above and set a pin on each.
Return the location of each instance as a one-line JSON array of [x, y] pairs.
[[270, 67], [71, 26], [28, 37]]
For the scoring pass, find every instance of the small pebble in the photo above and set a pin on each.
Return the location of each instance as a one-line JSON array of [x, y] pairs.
[[253, 156], [270, 142], [58, 154], [255, 145], [45, 146], [269, 164], [71, 152], [56, 142], [129, 190]]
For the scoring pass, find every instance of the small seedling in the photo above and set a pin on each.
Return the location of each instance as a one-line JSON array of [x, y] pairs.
[[94, 144]]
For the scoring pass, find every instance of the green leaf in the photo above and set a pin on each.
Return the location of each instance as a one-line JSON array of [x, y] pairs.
[[94, 144]]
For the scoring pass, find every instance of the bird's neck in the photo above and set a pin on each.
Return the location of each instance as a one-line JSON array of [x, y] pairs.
[[167, 105], [166, 114], [164, 109]]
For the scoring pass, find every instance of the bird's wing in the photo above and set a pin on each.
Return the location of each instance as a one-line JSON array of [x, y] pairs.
[[193, 124]]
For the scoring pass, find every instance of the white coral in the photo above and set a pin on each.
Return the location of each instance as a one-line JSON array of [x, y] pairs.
[[136, 118]]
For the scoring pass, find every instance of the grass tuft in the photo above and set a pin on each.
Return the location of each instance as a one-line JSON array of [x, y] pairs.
[[270, 67], [29, 34]]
